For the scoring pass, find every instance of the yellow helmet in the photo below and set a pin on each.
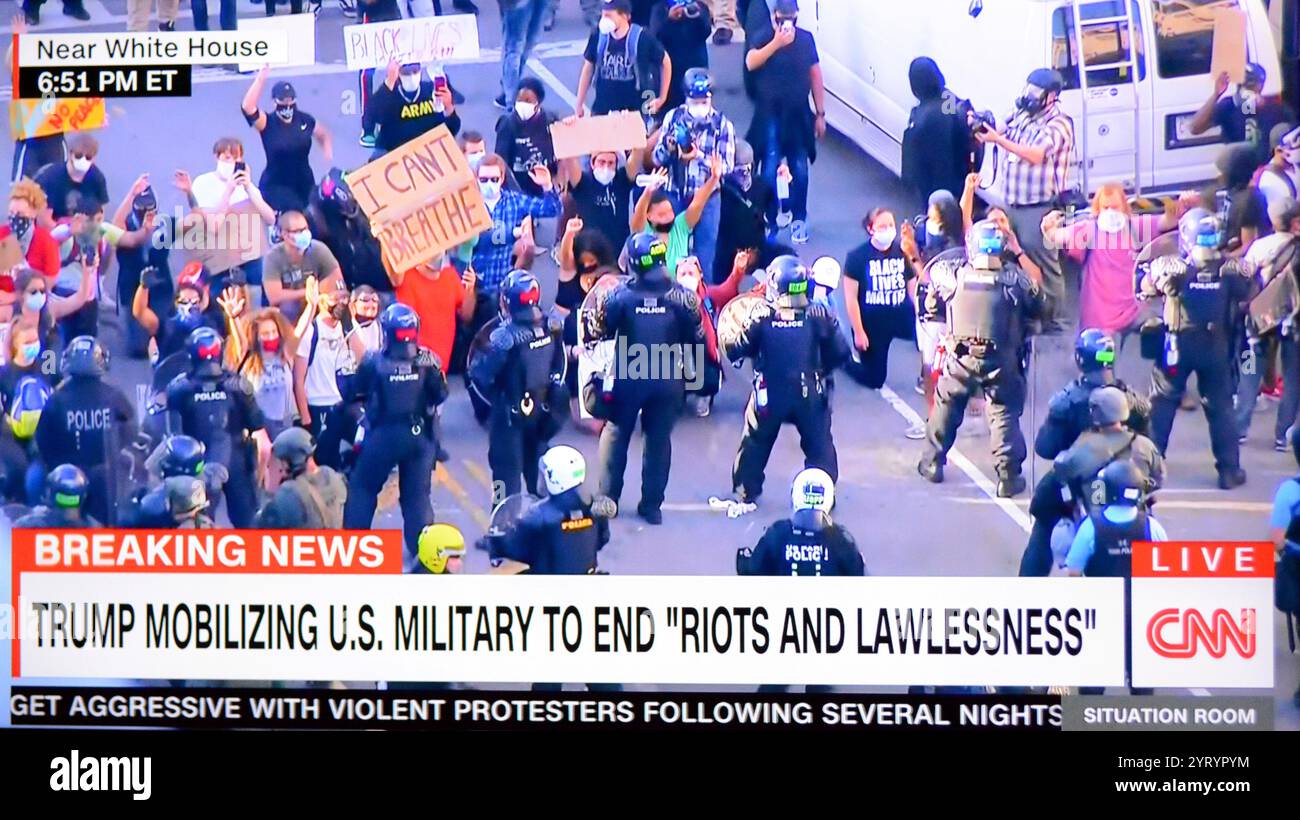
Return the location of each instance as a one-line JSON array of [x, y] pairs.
[[437, 544]]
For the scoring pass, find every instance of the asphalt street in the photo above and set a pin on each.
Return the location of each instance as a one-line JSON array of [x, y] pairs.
[[904, 525]]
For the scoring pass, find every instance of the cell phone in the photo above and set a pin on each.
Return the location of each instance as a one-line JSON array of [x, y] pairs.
[[241, 166], [787, 25], [440, 83]]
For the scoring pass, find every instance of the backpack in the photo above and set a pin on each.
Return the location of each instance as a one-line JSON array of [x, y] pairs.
[[633, 41], [1279, 299]]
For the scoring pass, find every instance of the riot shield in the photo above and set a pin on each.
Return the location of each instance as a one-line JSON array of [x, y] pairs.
[[505, 516], [594, 357], [737, 316], [479, 346], [592, 303]]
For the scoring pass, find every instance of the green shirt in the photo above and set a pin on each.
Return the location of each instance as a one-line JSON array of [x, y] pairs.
[[679, 243]]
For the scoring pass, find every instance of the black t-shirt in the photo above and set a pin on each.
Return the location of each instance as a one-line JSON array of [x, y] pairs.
[[1246, 209], [604, 207], [686, 41], [882, 279], [569, 295], [526, 144], [402, 117], [615, 79], [786, 77], [377, 11], [742, 223], [58, 185], [287, 145]]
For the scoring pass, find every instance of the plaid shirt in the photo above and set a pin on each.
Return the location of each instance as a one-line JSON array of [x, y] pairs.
[[492, 253], [1027, 184], [714, 135]]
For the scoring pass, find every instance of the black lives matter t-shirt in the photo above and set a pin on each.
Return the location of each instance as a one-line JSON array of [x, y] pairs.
[[882, 279], [615, 78]]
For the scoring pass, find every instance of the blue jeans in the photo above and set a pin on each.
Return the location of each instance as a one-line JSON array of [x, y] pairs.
[[798, 162], [228, 14], [705, 234], [1248, 389], [519, 30]]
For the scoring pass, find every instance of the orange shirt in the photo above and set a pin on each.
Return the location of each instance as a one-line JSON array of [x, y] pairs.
[[436, 302]]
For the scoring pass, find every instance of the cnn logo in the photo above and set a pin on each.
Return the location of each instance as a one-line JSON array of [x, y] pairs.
[[1183, 633]]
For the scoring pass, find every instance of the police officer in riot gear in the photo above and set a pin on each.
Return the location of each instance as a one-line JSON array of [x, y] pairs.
[[989, 306], [795, 344], [403, 385], [1068, 414], [657, 326], [1202, 292], [808, 542], [522, 372], [1103, 546], [1066, 490], [178, 455], [66, 490], [309, 496], [187, 503], [216, 407], [87, 422]]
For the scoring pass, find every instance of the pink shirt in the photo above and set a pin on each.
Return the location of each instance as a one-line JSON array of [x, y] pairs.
[[1107, 300]]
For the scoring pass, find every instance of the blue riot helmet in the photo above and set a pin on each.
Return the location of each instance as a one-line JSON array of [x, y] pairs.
[[401, 328]]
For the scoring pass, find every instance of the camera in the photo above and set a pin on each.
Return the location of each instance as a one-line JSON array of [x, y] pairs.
[[683, 138], [981, 121], [691, 7]]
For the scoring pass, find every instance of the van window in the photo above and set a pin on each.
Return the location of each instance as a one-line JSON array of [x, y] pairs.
[[1104, 44], [1185, 35]]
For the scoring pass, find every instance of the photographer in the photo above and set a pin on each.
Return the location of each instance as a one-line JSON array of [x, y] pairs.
[[1033, 166], [937, 145]]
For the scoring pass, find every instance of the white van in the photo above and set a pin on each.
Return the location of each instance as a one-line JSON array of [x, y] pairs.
[[866, 47]]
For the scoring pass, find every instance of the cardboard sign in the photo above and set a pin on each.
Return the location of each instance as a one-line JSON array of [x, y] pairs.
[[300, 30], [220, 244], [418, 40], [416, 173], [11, 253], [426, 232], [40, 118], [620, 131], [1229, 49]]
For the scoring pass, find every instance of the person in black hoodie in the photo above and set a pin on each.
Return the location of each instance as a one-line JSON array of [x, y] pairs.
[[524, 136], [337, 220], [937, 144], [684, 30]]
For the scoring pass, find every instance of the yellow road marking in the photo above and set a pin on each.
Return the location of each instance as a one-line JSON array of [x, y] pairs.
[[444, 477], [478, 473]]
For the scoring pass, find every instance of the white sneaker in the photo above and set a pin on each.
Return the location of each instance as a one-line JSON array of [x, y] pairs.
[[916, 432]]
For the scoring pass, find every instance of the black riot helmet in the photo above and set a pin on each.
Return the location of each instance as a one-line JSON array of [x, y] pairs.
[[647, 258], [1094, 350], [85, 357], [1124, 482], [521, 298], [401, 326], [66, 486], [787, 282], [334, 189], [182, 455], [204, 349]]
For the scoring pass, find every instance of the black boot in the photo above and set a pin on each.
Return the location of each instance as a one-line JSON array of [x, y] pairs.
[[32, 14], [1011, 486], [931, 471], [76, 11], [1232, 478]]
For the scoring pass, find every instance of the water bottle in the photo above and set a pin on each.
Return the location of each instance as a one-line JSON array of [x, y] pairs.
[[783, 177], [1171, 351], [760, 393]]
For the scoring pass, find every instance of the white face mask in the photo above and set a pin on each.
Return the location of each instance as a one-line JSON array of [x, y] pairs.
[[689, 280], [698, 110], [606, 26], [81, 164], [882, 239], [410, 83], [225, 168], [1111, 220], [933, 228], [491, 190], [604, 175], [525, 110], [475, 157]]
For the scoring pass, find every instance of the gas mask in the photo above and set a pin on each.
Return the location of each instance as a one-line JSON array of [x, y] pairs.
[[1032, 101], [285, 111]]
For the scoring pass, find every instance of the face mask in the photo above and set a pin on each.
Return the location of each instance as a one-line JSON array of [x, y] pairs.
[[606, 26], [20, 224], [302, 240], [882, 239], [270, 345], [933, 228], [525, 110], [186, 311], [698, 110], [225, 168], [744, 177], [475, 158], [1111, 220], [410, 83], [690, 281], [31, 351], [663, 227], [34, 302], [338, 309], [490, 190], [285, 112], [81, 164], [603, 175]]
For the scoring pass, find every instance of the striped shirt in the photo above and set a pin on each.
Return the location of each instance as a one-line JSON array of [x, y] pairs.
[[1024, 183]]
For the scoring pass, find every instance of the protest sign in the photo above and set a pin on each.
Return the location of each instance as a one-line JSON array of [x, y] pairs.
[[419, 40], [619, 131], [1228, 52], [415, 173], [11, 254], [426, 231], [41, 118], [300, 30], [221, 242]]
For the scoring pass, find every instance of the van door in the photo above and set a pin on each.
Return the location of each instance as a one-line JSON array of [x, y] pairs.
[[1108, 103]]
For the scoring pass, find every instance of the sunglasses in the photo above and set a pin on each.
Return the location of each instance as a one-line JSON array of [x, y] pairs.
[[489, 179], [79, 155]]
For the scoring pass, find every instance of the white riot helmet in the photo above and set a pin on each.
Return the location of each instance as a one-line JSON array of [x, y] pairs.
[[813, 489], [563, 468]]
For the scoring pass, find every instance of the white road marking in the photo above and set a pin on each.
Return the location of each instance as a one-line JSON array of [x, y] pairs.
[[553, 81], [955, 458]]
